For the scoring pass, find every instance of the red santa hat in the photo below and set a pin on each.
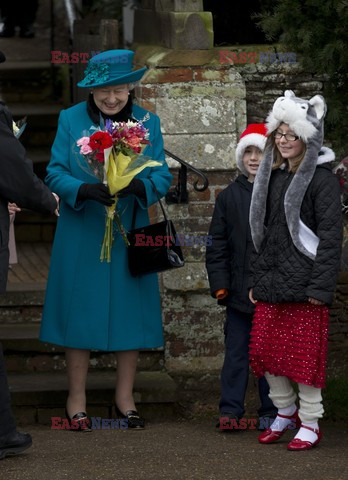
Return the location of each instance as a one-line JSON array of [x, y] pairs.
[[254, 135]]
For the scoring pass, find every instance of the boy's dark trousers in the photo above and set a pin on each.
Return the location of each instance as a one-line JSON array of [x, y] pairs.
[[7, 422], [235, 370]]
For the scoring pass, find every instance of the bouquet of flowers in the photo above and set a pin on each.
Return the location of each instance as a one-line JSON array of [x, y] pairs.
[[115, 157]]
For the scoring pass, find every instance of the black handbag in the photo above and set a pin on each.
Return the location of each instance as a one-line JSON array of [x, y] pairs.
[[153, 248]]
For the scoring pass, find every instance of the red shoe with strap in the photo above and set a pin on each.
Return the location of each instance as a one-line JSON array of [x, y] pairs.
[[298, 445], [271, 436]]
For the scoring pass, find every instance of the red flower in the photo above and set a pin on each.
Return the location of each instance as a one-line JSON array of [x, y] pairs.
[[100, 141], [100, 157]]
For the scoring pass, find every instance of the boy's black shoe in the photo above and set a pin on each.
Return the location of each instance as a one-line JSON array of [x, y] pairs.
[[225, 424], [265, 421], [14, 443]]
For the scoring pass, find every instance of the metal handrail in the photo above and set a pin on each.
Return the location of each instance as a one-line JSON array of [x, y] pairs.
[[71, 14], [179, 193]]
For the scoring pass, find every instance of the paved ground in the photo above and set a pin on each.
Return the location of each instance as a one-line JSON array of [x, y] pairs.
[[172, 451]]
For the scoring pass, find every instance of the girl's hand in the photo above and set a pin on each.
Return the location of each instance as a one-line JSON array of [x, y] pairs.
[[251, 298], [13, 208], [314, 301]]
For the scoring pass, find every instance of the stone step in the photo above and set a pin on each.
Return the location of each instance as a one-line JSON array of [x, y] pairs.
[[40, 156], [42, 122], [33, 227], [39, 396], [35, 110], [25, 353], [29, 81], [28, 66], [22, 305]]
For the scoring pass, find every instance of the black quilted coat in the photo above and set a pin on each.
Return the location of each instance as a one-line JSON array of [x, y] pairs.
[[227, 259], [280, 273]]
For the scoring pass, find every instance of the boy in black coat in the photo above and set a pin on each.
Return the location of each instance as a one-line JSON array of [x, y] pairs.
[[18, 184], [227, 262]]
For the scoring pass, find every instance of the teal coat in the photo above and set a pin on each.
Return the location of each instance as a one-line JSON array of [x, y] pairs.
[[92, 304]]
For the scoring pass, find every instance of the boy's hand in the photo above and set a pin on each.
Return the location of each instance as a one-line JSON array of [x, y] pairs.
[[314, 301], [221, 293], [251, 298]]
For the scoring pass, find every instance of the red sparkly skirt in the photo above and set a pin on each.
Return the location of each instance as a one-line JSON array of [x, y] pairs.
[[290, 340]]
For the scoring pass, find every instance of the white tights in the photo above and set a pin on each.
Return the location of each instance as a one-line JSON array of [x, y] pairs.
[[283, 395]]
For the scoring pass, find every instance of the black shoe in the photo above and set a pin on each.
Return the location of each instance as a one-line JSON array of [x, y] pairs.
[[79, 422], [265, 421], [229, 423], [14, 443], [7, 31], [27, 31], [134, 420]]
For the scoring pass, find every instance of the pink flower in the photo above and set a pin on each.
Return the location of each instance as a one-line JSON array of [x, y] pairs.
[[133, 141], [85, 149], [83, 141]]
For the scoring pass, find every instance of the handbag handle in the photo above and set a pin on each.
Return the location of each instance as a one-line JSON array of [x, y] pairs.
[[159, 200]]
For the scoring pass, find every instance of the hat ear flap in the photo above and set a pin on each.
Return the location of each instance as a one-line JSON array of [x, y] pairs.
[[289, 94], [319, 105]]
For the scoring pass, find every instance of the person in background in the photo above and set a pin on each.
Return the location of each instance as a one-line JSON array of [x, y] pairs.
[[18, 184], [227, 262], [21, 13]]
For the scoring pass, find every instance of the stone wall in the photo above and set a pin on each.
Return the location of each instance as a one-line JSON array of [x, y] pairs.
[[202, 105]]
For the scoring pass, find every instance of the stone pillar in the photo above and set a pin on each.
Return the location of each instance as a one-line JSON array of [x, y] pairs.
[[177, 24], [202, 108]]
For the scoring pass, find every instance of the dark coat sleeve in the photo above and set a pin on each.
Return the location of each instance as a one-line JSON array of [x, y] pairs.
[[218, 253], [328, 217], [18, 183]]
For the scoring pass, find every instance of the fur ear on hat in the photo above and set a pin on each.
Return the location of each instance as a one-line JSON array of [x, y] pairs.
[[289, 93], [319, 105]]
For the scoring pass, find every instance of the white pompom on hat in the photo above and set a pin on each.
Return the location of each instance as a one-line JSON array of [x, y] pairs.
[[254, 135]]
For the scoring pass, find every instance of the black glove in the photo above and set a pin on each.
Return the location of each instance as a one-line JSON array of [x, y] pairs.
[[136, 187], [96, 191]]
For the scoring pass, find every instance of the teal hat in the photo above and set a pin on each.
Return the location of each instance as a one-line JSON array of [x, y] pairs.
[[113, 67]]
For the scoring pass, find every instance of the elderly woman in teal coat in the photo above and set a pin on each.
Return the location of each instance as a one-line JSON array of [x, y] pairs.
[[94, 305]]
